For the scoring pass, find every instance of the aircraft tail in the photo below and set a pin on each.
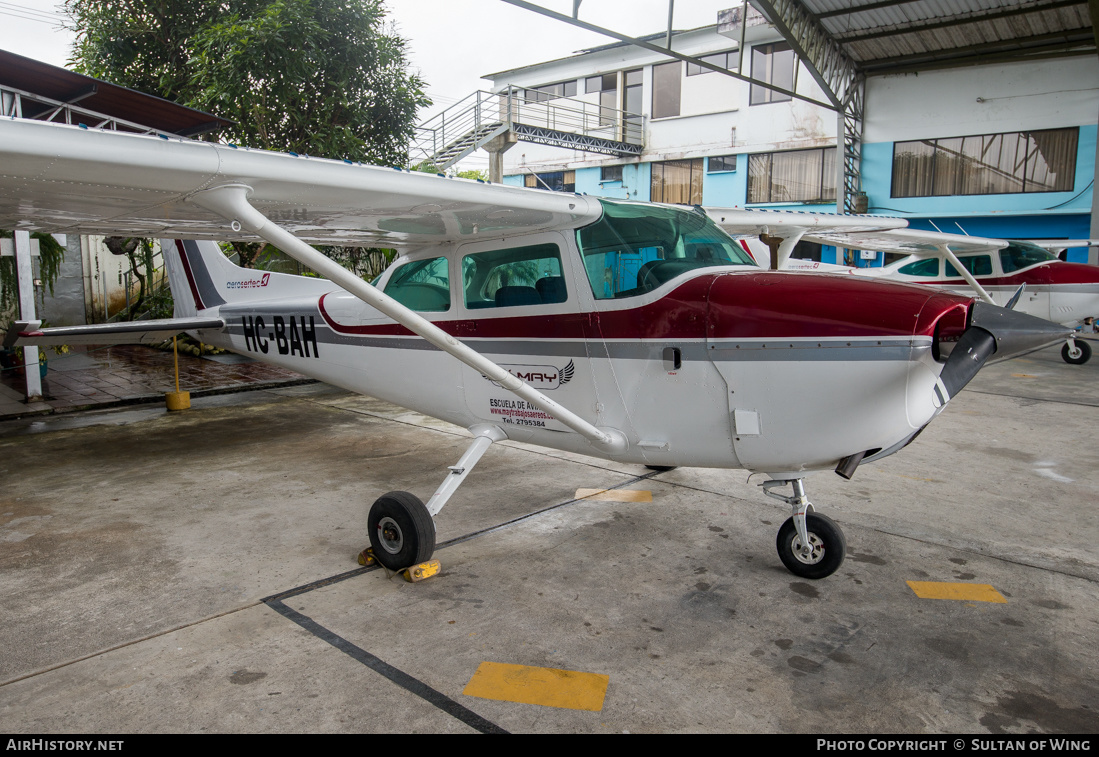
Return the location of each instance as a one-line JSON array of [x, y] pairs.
[[202, 278]]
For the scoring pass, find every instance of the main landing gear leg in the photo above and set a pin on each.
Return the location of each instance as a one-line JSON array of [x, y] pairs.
[[810, 545], [401, 527]]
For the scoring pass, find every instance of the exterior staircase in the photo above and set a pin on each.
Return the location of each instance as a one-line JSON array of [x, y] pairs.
[[566, 122]]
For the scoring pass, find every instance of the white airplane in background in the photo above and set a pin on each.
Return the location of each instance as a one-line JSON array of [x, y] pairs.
[[1020, 275], [628, 331]]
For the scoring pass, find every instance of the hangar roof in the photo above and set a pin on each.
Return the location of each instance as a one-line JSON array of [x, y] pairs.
[[111, 100], [882, 36]]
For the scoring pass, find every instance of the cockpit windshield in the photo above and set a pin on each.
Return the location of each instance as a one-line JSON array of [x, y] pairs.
[[1018, 255], [633, 249]]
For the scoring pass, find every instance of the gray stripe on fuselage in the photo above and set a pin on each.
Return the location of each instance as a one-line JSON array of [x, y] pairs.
[[739, 351]]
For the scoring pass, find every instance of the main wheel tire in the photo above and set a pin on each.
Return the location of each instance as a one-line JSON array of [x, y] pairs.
[[829, 547], [661, 468], [1079, 356], [402, 532]]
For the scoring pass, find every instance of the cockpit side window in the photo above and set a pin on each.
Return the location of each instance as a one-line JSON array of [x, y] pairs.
[[927, 267], [422, 285], [1019, 255], [978, 265], [633, 249], [515, 276]]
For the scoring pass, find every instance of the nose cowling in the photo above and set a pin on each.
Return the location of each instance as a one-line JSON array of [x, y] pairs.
[[996, 332]]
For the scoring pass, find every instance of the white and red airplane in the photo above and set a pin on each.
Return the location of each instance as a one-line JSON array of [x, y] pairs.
[[1011, 273], [628, 331]]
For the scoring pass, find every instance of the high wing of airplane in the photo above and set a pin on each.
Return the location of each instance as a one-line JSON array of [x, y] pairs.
[[629, 331], [1021, 275]]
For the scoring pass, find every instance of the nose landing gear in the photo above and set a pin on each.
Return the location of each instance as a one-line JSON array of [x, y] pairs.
[[810, 545], [1076, 352]]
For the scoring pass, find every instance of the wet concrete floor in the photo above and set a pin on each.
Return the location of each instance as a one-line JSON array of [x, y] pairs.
[[91, 378], [196, 572]]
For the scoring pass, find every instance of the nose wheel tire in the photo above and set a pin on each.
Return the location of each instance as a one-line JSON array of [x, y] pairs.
[[401, 530], [827, 547], [1077, 356]]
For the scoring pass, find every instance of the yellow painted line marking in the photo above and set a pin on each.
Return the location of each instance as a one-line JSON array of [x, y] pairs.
[[548, 687], [950, 590], [1023, 375], [615, 495]]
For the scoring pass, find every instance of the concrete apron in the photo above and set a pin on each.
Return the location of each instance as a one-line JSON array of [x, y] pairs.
[[135, 553]]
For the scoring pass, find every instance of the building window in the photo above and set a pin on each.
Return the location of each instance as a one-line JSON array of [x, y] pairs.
[[550, 91], [610, 173], [794, 176], [555, 181], [1034, 161], [633, 129], [773, 64], [721, 163], [667, 84], [607, 87], [677, 182], [726, 60]]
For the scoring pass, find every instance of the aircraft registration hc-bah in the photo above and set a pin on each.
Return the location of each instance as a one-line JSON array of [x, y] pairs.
[[628, 331], [1012, 273]]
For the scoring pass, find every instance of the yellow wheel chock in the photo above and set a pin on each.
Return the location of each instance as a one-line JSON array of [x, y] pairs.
[[421, 571]]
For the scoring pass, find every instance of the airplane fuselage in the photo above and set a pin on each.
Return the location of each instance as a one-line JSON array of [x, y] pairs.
[[724, 368]]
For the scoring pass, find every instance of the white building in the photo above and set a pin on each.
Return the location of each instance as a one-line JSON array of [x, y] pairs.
[[1006, 149]]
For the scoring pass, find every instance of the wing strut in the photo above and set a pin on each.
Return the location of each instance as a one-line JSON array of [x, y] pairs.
[[231, 202], [949, 253]]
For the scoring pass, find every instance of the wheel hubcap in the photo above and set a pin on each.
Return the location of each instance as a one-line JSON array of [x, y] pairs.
[[389, 535], [810, 556]]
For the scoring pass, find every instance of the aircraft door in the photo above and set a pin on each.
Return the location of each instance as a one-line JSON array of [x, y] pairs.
[[518, 307]]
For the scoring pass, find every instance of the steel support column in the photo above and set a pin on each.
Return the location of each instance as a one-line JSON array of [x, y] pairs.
[[837, 75], [24, 275]]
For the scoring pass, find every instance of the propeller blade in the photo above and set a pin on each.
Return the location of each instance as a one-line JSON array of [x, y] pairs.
[[996, 331], [1015, 297]]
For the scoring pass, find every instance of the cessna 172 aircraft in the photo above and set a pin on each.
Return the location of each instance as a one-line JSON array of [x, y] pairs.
[[1011, 273], [628, 331]]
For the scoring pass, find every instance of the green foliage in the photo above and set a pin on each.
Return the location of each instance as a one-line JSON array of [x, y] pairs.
[[365, 262], [426, 167], [50, 256], [473, 174], [317, 77], [139, 253], [320, 77]]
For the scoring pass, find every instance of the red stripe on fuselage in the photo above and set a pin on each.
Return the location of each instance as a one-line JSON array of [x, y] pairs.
[[747, 306]]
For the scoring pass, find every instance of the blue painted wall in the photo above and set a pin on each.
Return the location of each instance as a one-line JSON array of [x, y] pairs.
[[1036, 215], [1013, 216]]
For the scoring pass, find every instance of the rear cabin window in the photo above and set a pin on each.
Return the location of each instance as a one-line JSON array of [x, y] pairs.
[[978, 265], [1018, 255], [422, 285], [514, 277], [633, 249], [926, 267]]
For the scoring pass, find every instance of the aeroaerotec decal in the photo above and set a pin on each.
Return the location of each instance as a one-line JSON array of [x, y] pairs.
[[540, 376], [249, 283]]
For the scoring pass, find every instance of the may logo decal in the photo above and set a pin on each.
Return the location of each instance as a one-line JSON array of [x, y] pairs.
[[541, 376]]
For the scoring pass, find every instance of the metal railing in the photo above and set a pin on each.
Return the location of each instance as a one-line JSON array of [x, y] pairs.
[[532, 116], [21, 104]]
